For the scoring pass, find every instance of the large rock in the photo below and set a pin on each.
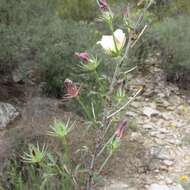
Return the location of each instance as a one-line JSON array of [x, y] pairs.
[[7, 114]]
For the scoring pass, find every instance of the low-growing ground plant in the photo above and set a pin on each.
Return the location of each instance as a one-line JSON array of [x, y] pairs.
[[103, 107]]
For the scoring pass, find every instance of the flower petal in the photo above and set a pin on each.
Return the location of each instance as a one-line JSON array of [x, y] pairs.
[[120, 38], [107, 43]]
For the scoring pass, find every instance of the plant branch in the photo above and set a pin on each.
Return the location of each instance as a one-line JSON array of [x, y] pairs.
[[139, 36], [140, 19], [104, 163], [119, 63], [125, 105], [103, 148], [89, 182]]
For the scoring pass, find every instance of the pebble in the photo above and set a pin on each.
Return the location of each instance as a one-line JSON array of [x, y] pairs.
[[168, 162], [148, 126], [149, 112]]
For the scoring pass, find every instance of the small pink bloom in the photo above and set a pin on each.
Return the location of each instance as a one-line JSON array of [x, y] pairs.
[[71, 88], [83, 56], [121, 128], [103, 5]]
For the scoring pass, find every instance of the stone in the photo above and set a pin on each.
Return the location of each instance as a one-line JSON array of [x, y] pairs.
[[164, 187], [17, 76], [158, 187], [131, 114], [135, 104], [116, 185], [149, 126], [136, 136], [8, 113], [168, 162], [149, 112], [174, 141]]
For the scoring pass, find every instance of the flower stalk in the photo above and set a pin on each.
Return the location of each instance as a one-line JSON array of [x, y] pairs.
[[84, 109]]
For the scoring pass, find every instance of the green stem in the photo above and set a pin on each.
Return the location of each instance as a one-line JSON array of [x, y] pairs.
[[97, 79], [105, 162], [114, 77], [105, 145], [66, 153], [114, 40], [84, 108]]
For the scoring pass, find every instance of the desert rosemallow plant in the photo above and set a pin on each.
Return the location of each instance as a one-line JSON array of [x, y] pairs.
[[117, 46]]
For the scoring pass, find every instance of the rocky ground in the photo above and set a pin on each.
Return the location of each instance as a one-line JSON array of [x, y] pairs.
[[162, 117], [155, 151]]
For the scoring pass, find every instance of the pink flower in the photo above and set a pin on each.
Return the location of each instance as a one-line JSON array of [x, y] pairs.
[[71, 88], [121, 128], [83, 56], [103, 5]]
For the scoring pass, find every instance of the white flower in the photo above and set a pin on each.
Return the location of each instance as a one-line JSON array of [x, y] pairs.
[[107, 41]]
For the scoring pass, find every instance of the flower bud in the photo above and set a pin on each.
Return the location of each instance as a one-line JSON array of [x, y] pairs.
[[71, 88], [83, 56], [103, 5], [121, 128]]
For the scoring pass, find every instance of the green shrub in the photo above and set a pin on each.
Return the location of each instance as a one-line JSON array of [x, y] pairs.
[[20, 24], [56, 58], [33, 37], [168, 8], [77, 9], [173, 36]]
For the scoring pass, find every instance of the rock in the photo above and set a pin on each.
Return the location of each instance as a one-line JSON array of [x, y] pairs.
[[168, 162], [158, 187], [161, 95], [174, 141], [164, 155], [157, 134], [135, 104], [163, 130], [7, 114], [17, 76], [131, 114], [149, 126], [165, 187], [116, 185], [136, 136], [149, 112], [163, 103], [167, 116]]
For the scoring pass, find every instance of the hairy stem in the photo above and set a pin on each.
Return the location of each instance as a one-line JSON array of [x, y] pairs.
[[105, 162], [125, 105]]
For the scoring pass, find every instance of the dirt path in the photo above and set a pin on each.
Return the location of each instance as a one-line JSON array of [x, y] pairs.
[[157, 153]]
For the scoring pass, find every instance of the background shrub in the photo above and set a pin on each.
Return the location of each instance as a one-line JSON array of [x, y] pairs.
[[33, 36], [77, 9], [56, 58], [169, 8], [173, 37]]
